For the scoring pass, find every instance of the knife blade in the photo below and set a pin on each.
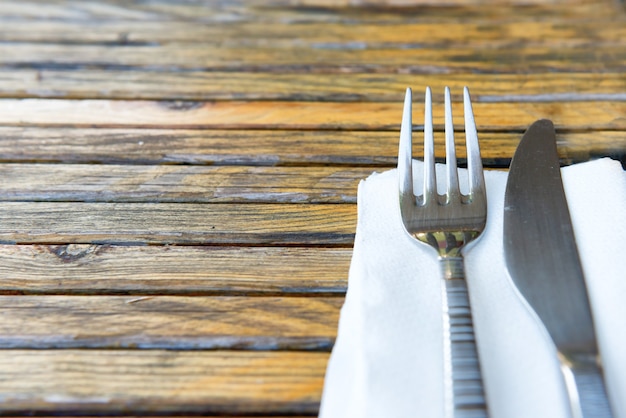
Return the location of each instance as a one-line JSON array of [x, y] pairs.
[[542, 259]]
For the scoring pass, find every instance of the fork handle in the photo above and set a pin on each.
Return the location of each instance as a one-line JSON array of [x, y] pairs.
[[463, 383]]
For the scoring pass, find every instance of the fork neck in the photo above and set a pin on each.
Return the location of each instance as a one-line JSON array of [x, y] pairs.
[[452, 267], [448, 246]]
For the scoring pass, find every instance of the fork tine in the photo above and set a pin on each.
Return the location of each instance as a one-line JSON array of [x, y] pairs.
[[453, 177], [430, 182], [474, 162], [405, 154]]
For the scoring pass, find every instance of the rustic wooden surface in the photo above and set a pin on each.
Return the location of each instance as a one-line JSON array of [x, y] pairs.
[[178, 179]]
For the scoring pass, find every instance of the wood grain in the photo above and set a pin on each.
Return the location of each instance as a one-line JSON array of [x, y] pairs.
[[171, 223], [242, 115], [185, 184], [216, 85], [169, 322], [322, 59], [86, 269], [317, 34], [270, 148], [287, 11], [160, 382]]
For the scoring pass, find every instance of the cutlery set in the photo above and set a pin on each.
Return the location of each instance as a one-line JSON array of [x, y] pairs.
[[540, 254]]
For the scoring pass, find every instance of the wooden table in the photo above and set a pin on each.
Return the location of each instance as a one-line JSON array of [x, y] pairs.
[[178, 179]]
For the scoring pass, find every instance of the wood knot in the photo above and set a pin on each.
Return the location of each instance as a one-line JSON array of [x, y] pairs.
[[180, 105], [73, 252]]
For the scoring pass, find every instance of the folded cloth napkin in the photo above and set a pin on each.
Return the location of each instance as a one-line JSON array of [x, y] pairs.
[[387, 360]]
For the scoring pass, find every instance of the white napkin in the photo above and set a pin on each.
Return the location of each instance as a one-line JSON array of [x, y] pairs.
[[387, 360]]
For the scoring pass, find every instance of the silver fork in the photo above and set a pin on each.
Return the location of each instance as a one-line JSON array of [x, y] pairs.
[[447, 223]]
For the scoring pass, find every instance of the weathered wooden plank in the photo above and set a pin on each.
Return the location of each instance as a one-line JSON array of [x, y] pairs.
[[154, 146], [308, 10], [171, 223], [86, 269], [198, 85], [161, 382], [167, 146], [195, 184], [347, 57], [169, 322], [299, 115], [312, 34]]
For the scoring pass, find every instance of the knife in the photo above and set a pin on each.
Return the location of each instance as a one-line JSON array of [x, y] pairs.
[[542, 259]]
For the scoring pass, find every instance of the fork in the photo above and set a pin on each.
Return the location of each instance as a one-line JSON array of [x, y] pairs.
[[447, 223]]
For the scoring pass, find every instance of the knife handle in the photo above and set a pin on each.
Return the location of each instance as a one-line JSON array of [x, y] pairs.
[[464, 392], [585, 386]]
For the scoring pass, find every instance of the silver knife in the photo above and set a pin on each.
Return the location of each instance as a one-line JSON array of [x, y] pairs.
[[542, 259]]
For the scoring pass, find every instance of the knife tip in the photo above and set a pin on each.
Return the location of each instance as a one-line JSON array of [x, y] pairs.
[[543, 124]]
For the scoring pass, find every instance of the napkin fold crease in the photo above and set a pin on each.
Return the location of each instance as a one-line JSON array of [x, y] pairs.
[[387, 360]]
